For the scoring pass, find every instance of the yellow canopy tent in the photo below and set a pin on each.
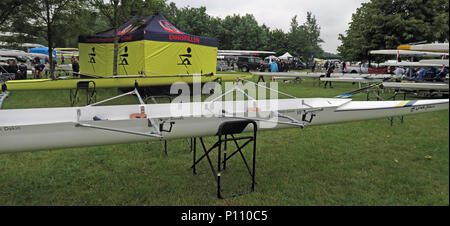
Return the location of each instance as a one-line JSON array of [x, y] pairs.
[[319, 60], [148, 46]]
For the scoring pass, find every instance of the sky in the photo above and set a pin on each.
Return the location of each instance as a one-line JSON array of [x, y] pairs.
[[332, 16]]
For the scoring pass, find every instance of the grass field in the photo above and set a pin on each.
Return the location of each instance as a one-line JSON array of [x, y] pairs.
[[360, 163]]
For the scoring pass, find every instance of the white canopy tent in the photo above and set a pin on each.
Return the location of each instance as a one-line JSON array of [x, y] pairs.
[[286, 56]]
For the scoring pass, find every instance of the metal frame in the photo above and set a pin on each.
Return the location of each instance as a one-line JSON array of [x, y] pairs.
[[237, 126], [376, 91], [151, 122]]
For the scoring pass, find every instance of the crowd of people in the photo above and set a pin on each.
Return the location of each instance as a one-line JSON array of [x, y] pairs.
[[19, 71], [420, 73]]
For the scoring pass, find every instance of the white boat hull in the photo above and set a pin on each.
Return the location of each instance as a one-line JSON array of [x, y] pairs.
[[322, 74], [353, 80], [416, 86], [55, 128]]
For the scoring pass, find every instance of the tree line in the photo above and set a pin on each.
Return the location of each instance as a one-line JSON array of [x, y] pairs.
[[385, 24], [378, 24], [58, 23]]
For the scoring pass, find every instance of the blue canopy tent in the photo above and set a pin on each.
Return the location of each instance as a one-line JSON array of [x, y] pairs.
[[42, 50]]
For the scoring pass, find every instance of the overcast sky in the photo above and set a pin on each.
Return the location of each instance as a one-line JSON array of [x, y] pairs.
[[332, 16]]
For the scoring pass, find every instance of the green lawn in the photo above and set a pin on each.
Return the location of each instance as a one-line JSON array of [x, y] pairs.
[[359, 163]]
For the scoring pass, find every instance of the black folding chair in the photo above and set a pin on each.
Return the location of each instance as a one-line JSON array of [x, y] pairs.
[[228, 129], [91, 93]]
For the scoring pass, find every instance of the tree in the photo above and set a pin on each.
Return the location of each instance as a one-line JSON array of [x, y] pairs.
[[118, 11], [112, 11], [278, 41], [242, 32], [312, 35], [50, 14], [304, 40], [8, 7], [381, 24], [10, 12]]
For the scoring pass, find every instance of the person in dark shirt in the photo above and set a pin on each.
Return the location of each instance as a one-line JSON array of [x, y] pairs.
[[36, 60], [329, 71], [23, 70], [313, 67], [261, 69], [39, 68], [12, 68], [75, 68]]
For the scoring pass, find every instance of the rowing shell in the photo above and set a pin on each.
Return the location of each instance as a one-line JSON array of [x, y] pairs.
[[416, 86], [359, 80], [55, 128], [430, 47], [116, 82], [321, 74]]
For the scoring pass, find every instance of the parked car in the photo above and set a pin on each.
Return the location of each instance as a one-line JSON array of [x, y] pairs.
[[360, 68], [247, 63], [297, 64]]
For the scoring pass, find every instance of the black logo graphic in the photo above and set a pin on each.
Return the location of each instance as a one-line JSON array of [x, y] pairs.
[[92, 58], [123, 59], [185, 58]]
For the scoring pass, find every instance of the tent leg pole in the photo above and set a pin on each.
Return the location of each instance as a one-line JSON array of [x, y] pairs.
[[194, 150]]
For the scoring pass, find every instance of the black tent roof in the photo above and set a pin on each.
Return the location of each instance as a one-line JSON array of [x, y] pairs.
[[155, 27]]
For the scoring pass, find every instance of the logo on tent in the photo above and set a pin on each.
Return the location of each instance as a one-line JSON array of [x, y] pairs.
[[92, 58], [123, 59], [169, 27], [132, 27], [185, 57]]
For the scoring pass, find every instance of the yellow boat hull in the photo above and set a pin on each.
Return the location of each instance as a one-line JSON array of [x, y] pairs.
[[119, 82]]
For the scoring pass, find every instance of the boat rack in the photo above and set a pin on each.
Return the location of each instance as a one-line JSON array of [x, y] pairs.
[[376, 92]]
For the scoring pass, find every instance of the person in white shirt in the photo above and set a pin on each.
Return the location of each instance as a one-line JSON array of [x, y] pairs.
[[399, 71]]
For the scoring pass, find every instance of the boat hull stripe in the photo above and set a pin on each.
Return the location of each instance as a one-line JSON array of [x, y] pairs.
[[406, 103]]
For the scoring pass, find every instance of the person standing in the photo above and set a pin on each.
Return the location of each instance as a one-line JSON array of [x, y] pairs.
[[330, 70], [273, 68], [261, 69], [75, 68], [313, 67]]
